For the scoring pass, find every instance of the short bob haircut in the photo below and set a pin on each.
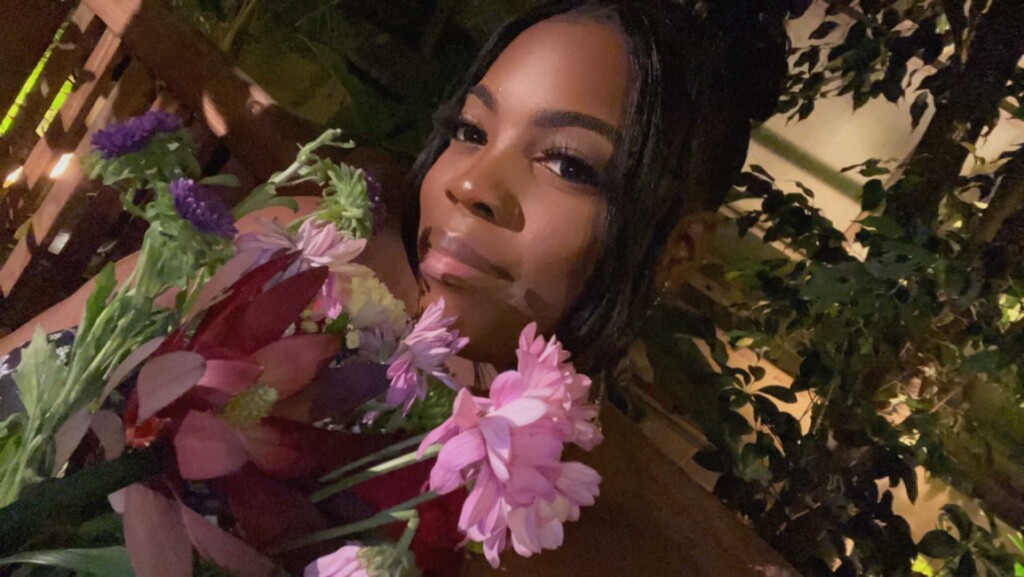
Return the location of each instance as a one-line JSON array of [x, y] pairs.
[[695, 92]]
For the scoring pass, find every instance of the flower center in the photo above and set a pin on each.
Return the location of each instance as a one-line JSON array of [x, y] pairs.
[[250, 406]]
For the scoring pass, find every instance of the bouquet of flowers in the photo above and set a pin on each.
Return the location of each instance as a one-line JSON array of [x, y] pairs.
[[259, 404]]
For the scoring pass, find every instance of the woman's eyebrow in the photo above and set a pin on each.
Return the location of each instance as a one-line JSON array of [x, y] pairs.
[[570, 119], [554, 118], [484, 94]]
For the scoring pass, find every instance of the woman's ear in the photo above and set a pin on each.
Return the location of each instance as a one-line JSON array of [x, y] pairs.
[[685, 250]]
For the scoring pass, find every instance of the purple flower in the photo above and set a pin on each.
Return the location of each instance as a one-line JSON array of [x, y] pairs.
[[202, 208], [133, 134], [422, 353]]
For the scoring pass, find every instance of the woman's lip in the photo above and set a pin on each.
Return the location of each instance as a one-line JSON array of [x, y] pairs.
[[450, 258]]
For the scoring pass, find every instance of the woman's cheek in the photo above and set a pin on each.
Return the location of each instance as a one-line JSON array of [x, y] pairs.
[[563, 248]]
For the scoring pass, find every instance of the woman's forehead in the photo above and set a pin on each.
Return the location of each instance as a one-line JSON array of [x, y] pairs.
[[563, 64]]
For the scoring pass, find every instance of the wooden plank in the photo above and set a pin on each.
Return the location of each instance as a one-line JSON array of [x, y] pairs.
[[79, 38], [27, 27], [259, 132], [63, 133], [35, 278], [67, 129], [19, 142]]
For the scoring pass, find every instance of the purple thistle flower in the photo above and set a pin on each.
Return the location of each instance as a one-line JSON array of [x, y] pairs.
[[422, 353], [133, 134], [202, 208]]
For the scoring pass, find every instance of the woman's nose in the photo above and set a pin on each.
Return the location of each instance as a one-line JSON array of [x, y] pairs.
[[485, 190]]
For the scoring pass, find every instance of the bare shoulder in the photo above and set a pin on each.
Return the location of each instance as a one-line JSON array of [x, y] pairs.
[[650, 519]]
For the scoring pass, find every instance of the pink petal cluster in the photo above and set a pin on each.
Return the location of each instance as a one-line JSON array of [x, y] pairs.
[[355, 560], [342, 563], [510, 446], [423, 352], [546, 369], [318, 243]]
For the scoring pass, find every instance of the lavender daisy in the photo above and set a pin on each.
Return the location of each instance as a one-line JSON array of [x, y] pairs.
[[422, 353], [133, 134], [202, 208]]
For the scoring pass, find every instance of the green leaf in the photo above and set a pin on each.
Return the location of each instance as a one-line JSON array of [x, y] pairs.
[[779, 392], [262, 197], [872, 195], [883, 225], [965, 566], [220, 180], [104, 283], [939, 544], [105, 562], [983, 362], [757, 373], [918, 108], [824, 30], [40, 375]]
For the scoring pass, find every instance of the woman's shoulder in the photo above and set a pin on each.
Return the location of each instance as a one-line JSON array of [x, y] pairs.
[[651, 518]]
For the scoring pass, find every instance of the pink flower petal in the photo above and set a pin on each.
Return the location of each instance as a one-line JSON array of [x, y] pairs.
[[522, 412], [224, 549], [110, 431], [230, 376], [291, 363], [165, 378], [466, 410], [68, 437], [128, 365], [441, 434], [154, 534], [207, 447], [499, 443], [457, 454]]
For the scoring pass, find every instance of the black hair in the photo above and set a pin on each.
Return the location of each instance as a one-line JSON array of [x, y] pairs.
[[700, 75]]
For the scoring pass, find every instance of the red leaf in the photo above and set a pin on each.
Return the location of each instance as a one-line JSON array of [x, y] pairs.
[[207, 447], [164, 379], [291, 363], [154, 534], [208, 335], [224, 549], [270, 313], [269, 511]]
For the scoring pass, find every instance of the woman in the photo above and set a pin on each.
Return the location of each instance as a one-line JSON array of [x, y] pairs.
[[580, 161]]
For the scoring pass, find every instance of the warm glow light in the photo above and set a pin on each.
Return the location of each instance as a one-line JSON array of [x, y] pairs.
[[61, 165], [59, 240], [13, 177]]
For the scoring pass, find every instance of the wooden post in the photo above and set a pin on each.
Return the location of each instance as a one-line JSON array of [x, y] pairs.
[[260, 133], [26, 27], [39, 274], [16, 145]]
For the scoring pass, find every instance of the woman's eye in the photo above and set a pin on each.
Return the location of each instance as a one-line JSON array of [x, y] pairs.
[[572, 169], [469, 133]]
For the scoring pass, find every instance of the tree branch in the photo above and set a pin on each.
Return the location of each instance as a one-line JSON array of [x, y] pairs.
[[1008, 198], [934, 168]]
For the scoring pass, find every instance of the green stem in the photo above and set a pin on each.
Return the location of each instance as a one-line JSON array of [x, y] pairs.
[[410, 531], [402, 512], [374, 471], [385, 452]]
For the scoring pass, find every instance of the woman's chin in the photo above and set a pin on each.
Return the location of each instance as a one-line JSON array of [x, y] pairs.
[[493, 333]]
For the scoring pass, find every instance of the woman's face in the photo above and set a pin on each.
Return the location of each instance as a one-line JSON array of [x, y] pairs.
[[511, 215]]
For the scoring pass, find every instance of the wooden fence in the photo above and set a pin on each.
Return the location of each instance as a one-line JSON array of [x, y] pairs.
[[124, 57]]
